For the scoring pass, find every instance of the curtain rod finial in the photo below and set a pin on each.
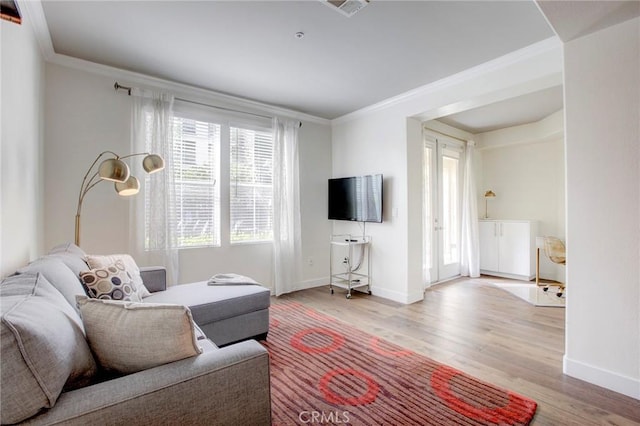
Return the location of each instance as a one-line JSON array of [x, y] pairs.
[[118, 86]]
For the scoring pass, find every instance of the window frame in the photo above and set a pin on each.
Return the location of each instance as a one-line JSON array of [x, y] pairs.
[[262, 127], [223, 181], [215, 178]]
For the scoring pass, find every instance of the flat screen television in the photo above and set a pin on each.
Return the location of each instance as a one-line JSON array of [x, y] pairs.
[[356, 198]]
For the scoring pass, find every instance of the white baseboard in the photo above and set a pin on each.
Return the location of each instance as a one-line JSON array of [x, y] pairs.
[[316, 282], [387, 294], [307, 284], [397, 296], [510, 276], [625, 385]]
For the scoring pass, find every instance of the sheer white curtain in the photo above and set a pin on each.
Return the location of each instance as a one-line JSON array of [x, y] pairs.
[[152, 238], [470, 242], [287, 242]]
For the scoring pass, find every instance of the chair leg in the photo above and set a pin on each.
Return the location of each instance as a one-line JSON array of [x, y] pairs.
[[538, 266]]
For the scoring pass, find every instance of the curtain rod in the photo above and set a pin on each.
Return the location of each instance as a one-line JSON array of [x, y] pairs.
[[118, 86], [444, 134]]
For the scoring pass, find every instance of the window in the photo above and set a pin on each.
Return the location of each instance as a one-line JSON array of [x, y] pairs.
[[251, 185], [198, 172], [195, 216]]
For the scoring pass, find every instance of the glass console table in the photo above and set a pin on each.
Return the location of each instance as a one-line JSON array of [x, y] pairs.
[[352, 256]]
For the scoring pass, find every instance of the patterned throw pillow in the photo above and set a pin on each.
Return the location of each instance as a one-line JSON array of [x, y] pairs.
[[102, 261], [111, 283]]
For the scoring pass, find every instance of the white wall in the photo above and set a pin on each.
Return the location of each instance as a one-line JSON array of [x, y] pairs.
[[602, 103], [85, 116], [21, 176], [524, 166], [315, 170], [373, 145], [386, 138]]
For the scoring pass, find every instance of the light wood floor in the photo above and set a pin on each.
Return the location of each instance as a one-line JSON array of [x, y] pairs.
[[488, 333]]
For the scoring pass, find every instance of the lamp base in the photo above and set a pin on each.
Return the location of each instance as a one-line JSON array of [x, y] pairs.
[[77, 239]]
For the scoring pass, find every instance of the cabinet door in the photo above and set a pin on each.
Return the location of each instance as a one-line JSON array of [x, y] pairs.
[[488, 233], [514, 247]]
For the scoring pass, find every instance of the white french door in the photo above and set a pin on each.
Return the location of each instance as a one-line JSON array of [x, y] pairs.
[[442, 190]]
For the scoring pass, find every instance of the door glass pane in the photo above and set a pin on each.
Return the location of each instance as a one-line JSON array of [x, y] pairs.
[[450, 210], [427, 209]]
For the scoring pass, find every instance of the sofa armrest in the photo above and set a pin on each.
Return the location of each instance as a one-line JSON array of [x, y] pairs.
[[154, 278], [227, 386]]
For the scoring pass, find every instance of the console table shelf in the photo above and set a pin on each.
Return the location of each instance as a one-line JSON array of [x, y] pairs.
[[356, 259]]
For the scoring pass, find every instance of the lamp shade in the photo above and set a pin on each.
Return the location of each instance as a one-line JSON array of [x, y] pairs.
[[489, 194], [153, 163], [114, 169], [130, 187]]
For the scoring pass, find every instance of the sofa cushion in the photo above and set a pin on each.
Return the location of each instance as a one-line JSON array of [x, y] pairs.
[[43, 347], [214, 303], [127, 337], [68, 248], [102, 261], [71, 255], [112, 282], [59, 275]]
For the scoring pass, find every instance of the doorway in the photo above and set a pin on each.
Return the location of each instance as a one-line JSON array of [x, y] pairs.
[[443, 160]]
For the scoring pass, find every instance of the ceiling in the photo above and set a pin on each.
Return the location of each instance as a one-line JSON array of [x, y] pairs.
[[249, 49], [510, 112], [575, 18]]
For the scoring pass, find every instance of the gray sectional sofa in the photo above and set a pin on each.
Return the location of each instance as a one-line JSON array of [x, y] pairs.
[[49, 374], [226, 314]]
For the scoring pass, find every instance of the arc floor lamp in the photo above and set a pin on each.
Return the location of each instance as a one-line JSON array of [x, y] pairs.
[[115, 170]]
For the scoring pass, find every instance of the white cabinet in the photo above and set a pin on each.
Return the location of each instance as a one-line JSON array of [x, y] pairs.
[[507, 248]]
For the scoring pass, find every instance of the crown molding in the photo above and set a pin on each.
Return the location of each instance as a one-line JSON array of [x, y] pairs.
[[549, 44], [33, 10], [34, 14], [547, 129], [198, 94]]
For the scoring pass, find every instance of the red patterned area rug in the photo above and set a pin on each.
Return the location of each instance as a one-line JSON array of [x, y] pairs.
[[324, 371]]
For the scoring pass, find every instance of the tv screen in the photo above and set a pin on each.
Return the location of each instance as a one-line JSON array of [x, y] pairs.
[[356, 198]]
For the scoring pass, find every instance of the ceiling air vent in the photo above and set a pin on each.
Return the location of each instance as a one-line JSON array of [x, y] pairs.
[[346, 7]]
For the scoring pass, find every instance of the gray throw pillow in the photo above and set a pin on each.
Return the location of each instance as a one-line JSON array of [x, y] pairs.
[[71, 255], [68, 248], [59, 275], [44, 350], [126, 337]]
